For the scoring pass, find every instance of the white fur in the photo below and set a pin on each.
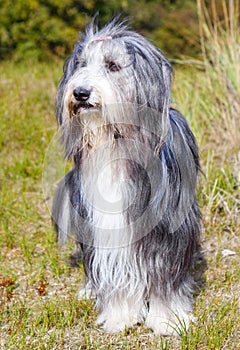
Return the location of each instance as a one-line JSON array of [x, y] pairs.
[[121, 313], [169, 318]]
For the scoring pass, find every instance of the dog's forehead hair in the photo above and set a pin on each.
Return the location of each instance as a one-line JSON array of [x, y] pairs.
[[108, 50]]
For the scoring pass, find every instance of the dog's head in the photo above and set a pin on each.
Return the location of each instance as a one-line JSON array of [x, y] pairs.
[[111, 77]]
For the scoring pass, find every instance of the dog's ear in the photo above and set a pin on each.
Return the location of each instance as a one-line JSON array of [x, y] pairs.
[[69, 67], [155, 71], [59, 100]]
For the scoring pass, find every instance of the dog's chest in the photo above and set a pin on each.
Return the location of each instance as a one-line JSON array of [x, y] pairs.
[[105, 190], [108, 199]]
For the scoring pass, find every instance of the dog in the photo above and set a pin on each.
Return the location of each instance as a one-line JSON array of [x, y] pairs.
[[130, 198]]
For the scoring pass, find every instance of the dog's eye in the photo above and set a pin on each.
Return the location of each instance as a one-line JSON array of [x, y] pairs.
[[83, 64], [112, 66]]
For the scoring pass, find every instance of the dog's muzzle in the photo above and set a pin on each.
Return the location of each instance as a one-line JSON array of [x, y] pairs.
[[82, 100]]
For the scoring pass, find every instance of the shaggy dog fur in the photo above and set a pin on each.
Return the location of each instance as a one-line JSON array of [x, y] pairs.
[[130, 198]]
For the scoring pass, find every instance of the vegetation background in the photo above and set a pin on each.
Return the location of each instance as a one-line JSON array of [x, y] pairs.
[[48, 28], [38, 307]]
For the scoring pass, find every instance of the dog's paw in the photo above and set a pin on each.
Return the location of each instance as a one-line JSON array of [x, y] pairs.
[[161, 326], [114, 323], [117, 319], [174, 325], [115, 326]]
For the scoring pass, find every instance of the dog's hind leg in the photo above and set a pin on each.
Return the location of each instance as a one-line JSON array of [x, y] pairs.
[[62, 212]]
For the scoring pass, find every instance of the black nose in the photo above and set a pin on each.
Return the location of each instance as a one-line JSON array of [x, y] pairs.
[[81, 94]]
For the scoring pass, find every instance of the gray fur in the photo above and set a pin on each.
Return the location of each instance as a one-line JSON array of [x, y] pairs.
[[130, 199]]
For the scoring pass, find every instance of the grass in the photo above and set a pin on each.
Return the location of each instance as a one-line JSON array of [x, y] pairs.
[[38, 307]]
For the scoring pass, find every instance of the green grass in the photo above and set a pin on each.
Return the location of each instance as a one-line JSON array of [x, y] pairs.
[[38, 304]]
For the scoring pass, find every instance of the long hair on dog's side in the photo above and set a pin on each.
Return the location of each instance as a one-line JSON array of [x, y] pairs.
[[130, 199]]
